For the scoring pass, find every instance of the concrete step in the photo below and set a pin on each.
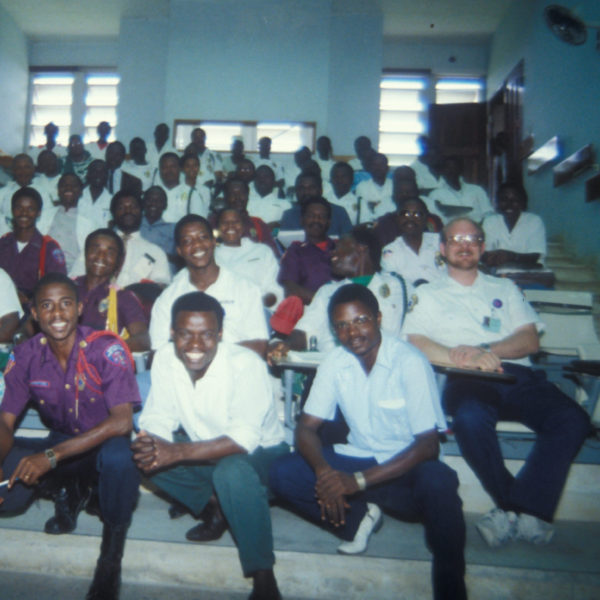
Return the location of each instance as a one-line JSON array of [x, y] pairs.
[[576, 274], [396, 566], [578, 286]]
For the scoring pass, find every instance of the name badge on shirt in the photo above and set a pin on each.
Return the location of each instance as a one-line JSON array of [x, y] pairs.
[[491, 324]]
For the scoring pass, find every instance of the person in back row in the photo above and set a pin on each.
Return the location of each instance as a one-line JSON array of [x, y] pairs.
[[265, 203], [244, 318], [305, 266], [387, 394], [340, 192], [415, 254], [472, 320], [309, 185]]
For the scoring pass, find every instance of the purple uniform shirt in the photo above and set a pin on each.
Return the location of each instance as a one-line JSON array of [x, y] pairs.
[[95, 306], [99, 376], [23, 267], [307, 265]]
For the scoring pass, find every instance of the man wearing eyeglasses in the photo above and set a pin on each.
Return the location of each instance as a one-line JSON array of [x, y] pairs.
[[471, 320], [415, 254], [387, 393]]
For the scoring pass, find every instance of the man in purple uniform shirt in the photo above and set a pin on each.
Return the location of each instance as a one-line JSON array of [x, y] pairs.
[[83, 385], [305, 266]]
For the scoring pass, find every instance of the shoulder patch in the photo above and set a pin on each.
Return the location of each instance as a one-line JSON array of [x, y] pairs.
[[58, 256], [115, 354], [10, 364]]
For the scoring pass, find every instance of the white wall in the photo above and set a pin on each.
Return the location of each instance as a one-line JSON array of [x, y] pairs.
[[15, 81]]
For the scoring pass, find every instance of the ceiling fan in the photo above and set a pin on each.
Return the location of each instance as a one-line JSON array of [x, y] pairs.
[[567, 26]]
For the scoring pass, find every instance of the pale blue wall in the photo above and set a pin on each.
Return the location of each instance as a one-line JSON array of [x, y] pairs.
[[562, 91], [15, 80], [85, 52], [142, 64]]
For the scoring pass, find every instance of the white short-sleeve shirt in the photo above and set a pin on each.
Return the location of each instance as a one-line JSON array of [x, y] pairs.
[[389, 293], [385, 409], [180, 197], [451, 314], [233, 399], [9, 300], [240, 298], [380, 195], [399, 257], [527, 236], [253, 261]]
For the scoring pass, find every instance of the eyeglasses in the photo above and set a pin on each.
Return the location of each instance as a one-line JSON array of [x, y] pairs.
[[340, 326], [465, 238], [417, 214]]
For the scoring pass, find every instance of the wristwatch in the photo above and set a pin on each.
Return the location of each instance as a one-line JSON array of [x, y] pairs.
[[51, 457]]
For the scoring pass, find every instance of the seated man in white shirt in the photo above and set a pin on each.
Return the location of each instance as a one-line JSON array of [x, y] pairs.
[[158, 147], [244, 319], [475, 321], [375, 194], [340, 192], [427, 166], [513, 237], [456, 198], [415, 254], [209, 161], [219, 394], [181, 198], [119, 178], [95, 198], [387, 393], [144, 261], [48, 173], [264, 158], [98, 148], [324, 157], [264, 201], [137, 165]]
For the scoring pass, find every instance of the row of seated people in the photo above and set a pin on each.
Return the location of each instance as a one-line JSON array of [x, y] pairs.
[[439, 179], [383, 387]]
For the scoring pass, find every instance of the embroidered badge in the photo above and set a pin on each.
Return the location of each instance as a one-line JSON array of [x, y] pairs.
[[384, 290], [412, 302], [58, 256], [40, 383], [116, 355], [10, 364], [497, 303], [103, 305]]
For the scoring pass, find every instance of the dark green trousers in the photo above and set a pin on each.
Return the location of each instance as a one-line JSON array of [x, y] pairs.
[[240, 482]]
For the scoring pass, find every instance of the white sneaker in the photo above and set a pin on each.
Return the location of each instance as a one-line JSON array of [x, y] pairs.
[[371, 522], [497, 527], [534, 530]]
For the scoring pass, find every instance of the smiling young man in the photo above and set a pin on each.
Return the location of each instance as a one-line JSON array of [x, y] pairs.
[[387, 394], [220, 395], [244, 317], [472, 320], [83, 385]]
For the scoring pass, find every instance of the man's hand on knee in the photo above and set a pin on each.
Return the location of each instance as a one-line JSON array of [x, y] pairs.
[[331, 489]]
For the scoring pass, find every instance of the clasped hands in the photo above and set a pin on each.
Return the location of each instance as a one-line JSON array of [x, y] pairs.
[[474, 357], [151, 452]]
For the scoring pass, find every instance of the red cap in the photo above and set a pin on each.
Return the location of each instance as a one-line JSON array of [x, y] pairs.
[[286, 316]]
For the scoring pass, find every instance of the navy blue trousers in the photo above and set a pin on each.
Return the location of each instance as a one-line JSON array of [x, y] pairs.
[[561, 426], [427, 493], [110, 465]]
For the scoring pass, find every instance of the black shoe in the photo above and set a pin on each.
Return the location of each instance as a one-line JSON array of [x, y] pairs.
[[265, 586], [107, 577], [212, 528], [177, 510], [68, 503]]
